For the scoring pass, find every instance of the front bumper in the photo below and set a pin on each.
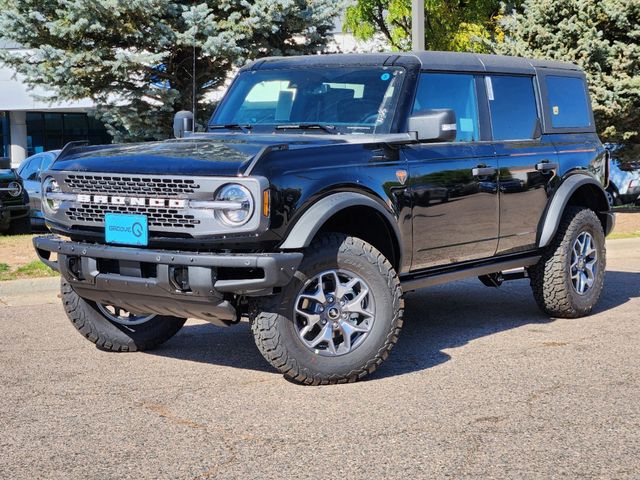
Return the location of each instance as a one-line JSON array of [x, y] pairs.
[[9, 213], [183, 284]]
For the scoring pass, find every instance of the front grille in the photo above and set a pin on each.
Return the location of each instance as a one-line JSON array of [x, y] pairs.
[[166, 201], [131, 185], [157, 217]]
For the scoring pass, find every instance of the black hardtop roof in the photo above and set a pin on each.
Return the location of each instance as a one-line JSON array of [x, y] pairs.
[[456, 61]]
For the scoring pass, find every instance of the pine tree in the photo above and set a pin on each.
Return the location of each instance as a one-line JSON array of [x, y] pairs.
[[134, 58], [602, 36]]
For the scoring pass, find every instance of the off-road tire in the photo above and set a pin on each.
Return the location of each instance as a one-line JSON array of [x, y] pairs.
[[107, 335], [551, 278], [273, 325]]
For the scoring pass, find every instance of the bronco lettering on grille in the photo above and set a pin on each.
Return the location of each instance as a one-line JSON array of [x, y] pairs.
[[132, 201]]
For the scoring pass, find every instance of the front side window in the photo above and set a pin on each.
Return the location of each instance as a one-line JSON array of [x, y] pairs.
[[31, 169], [349, 99], [512, 101], [453, 91], [568, 102]]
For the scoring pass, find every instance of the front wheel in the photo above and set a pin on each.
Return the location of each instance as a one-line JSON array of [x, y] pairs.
[[113, 328], [338, 318], [568, 280]]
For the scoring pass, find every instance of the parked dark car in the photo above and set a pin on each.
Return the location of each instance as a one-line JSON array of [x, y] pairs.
[[14, 208], [30, 170], [308, 206]]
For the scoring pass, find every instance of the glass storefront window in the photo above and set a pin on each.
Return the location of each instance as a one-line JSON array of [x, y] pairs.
[[51, 131], [5, 143], [35, 133]]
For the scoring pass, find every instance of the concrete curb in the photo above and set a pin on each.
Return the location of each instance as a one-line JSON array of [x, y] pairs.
[[30, 291], [30, 285], [39, 291]]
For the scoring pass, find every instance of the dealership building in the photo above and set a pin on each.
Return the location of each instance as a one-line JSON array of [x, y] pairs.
[[30, 125]]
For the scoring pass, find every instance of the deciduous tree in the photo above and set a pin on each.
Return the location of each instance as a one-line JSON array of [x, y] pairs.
[[450, 25]]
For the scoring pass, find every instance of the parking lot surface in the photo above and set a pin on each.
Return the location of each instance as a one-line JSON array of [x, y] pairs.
[[480, 385]]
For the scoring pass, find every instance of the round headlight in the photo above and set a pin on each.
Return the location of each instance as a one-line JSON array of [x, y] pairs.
[[240, 204], [50, 186], [15, 189]]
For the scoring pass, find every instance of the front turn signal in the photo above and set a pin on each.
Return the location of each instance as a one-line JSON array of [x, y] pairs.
[[265, 202]]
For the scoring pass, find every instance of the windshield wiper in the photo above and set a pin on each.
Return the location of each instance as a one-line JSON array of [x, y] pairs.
[[307, 126], [232, 126]]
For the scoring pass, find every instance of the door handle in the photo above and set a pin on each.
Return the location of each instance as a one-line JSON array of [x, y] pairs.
[[483, 171], [546, 165]]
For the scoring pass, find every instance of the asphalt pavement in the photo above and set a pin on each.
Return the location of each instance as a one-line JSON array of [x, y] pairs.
[[481, 385]]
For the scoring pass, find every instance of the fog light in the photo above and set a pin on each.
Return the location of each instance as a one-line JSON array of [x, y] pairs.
[[179, 277]]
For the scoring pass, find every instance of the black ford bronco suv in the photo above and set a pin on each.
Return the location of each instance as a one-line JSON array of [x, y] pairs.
[[14, 203], [324, 188]]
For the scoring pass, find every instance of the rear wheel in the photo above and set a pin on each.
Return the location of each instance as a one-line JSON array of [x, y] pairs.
[[339, 317], [113, 328], [568, 280]]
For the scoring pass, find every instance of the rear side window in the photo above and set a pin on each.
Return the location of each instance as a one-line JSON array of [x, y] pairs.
[[512, 101], [568, 102], [453, 91]]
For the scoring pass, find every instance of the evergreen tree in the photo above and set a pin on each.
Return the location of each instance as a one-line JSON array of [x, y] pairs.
[[602, 36], [134, 58]]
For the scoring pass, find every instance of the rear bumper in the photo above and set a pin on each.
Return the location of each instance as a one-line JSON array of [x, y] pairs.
[[145, 281]]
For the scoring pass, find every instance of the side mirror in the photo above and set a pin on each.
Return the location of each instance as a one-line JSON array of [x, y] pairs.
[[5, 163], [182, 122], [434, 125]]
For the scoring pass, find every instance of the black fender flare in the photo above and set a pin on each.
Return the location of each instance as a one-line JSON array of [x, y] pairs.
[[555, 210], [311, 221]]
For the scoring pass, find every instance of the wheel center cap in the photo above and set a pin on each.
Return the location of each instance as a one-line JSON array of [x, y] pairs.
[[333, 313], [581, 264]]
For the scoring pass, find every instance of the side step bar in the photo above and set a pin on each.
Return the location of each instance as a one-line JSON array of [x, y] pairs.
[[429, 279]]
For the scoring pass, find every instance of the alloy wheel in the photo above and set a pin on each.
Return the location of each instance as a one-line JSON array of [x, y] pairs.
[[584, 259], [123, 316], [334, 312]]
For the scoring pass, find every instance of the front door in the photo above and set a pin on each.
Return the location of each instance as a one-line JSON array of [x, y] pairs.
[[454, 186]]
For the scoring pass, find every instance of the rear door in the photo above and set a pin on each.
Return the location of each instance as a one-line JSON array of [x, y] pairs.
[[526, 159], [453, 185]]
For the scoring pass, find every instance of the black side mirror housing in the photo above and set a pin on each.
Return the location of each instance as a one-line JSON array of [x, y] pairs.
[[5, 163], [182, 123], [437, 125]]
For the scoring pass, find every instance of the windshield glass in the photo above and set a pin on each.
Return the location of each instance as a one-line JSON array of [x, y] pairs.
[[346, 99]]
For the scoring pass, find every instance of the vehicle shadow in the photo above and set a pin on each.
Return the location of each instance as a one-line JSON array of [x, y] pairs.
[[436, 319]]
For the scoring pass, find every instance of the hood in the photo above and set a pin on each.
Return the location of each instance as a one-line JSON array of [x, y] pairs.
[[201, 154], [7, 175]]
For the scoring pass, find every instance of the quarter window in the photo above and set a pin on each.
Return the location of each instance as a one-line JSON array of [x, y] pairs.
[[453, 91], [512, 101], [568, 102]]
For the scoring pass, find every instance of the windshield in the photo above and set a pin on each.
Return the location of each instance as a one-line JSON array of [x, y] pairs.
[[327, 99]]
